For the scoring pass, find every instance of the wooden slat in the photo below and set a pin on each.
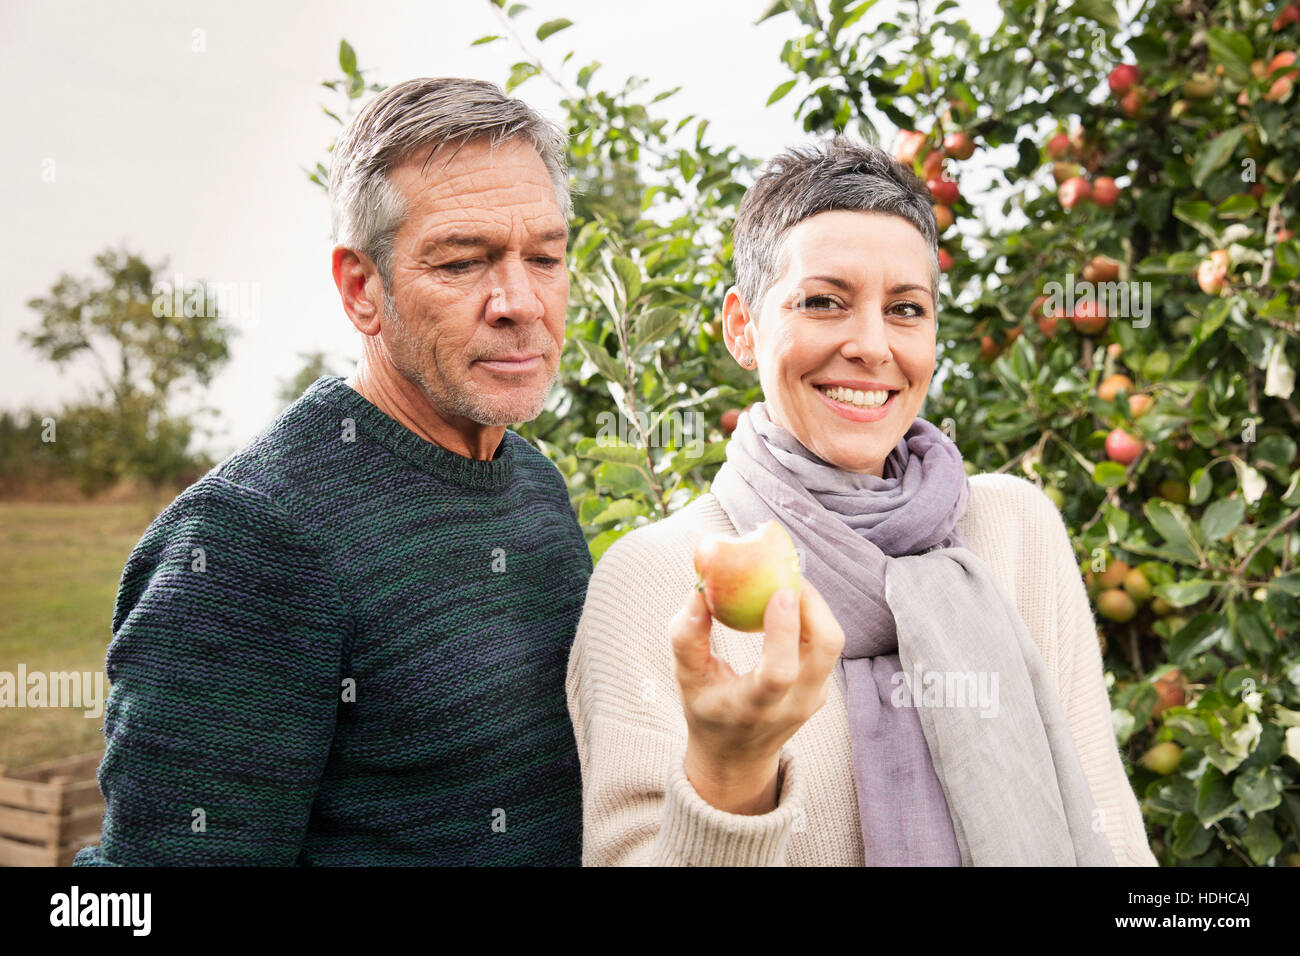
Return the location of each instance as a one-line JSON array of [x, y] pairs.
[[13, 853], [84, 793], [80, 766], [30, 825], [27, 795], [86, 825]]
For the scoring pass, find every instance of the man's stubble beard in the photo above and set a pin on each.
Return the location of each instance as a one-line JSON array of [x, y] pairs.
[[465, 401]]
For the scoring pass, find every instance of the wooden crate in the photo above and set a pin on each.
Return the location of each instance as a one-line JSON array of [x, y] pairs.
[[49, 811]]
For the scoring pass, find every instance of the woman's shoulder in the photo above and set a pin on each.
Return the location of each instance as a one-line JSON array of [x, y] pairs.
[[1005, 506]]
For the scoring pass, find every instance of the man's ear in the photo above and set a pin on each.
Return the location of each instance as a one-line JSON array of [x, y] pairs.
[[360, 288]]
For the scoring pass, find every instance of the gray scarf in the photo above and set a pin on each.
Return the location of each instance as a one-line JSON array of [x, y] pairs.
[[961, 752]]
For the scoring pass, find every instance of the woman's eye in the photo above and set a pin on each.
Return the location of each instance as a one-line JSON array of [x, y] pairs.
[[911, 310], [820, 303]]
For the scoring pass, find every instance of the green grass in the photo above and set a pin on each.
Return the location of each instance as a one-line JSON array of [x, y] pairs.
[[60, 565]]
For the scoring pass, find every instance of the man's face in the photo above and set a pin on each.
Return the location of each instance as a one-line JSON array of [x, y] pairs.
[[475, 312]]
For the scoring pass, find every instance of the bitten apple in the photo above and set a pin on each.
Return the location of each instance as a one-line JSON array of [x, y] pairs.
[[738, 576]]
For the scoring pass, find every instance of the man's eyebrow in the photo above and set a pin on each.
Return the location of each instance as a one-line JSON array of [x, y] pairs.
[[473, 241]]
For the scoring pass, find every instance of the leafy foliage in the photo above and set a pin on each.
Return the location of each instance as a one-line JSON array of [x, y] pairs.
[[1202, 158]]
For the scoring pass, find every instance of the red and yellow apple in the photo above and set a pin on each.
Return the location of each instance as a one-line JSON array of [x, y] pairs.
[[738, 576]]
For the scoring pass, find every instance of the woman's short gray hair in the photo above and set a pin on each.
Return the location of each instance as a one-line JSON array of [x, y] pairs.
[[366, 210], [839, 173]]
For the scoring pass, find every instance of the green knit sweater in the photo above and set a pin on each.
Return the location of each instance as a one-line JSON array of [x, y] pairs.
[[345, 645]]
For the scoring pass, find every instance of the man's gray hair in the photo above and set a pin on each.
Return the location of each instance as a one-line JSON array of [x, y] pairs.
[[366, 210], [839, 173]]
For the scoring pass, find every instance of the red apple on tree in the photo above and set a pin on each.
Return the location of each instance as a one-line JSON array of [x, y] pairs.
[[1123, 447], [1089, 317], [959, 145], [1057, 147], [932, 166], [944, 191], [1073, 191], [1112, 385], [1123, 78], [943, 218], [739, 575], [1212, 272], [1104, 191], [908, 145], [1101, 268], [1133, 102], [1282, 87], [945, 260]]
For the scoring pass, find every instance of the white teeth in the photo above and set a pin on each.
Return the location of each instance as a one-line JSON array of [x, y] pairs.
[[871, 399]]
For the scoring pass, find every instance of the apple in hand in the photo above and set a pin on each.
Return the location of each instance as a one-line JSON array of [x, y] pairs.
[[739, 575]]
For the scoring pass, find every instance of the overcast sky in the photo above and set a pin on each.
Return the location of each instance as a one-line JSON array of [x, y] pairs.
[[180, 130]]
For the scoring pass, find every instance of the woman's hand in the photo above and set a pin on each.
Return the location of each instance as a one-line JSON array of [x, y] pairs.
[[736, 725]]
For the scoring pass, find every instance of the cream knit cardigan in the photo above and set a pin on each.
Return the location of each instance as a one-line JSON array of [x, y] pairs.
[[638, 806]]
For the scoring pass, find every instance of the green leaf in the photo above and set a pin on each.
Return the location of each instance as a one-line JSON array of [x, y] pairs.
[[629, 273], [486, 39], [347, 58], [1222, 517], [1233, 50], [1261, 839], [1101, 11], [1214, 798], [553, 26], [1202, 633], [619, 510], [781, 91], [1190, 838], [1109, 474], [1257, 791], [1172, 523], [1214, 154], [519, 73], [615, 451], [1185, 593], [656, 324], [1200, 486], [604, 362]]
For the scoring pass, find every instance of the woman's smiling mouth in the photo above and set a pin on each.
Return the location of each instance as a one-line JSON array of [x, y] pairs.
[[858, 404]]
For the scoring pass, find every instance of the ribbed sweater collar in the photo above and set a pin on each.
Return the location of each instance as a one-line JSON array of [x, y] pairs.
[[491, 475]]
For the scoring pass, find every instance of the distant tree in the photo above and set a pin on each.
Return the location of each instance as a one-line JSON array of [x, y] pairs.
[[148, 340], [315, 364]]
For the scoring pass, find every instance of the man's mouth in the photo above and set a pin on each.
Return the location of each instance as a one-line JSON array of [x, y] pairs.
[[520, 362]]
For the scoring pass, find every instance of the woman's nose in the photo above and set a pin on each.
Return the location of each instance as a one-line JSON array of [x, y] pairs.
[[868, 337]]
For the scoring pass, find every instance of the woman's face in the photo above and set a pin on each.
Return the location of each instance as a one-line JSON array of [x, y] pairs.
[[845, 339]]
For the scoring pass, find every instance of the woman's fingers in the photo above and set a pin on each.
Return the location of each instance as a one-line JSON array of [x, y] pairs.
[[778, 669], [689, 633]]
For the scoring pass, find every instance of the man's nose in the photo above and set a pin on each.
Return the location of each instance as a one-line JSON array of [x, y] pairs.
[[513, 293]]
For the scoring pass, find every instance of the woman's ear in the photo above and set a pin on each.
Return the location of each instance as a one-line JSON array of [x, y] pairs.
[[737, 327]]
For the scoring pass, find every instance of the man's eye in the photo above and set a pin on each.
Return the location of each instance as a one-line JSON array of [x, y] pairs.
[[455, 267], [548, 262]]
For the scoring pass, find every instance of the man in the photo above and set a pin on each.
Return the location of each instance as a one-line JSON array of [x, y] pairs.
[[346, 644]]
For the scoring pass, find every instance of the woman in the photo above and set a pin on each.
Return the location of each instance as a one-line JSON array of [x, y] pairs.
[[934, 694]]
